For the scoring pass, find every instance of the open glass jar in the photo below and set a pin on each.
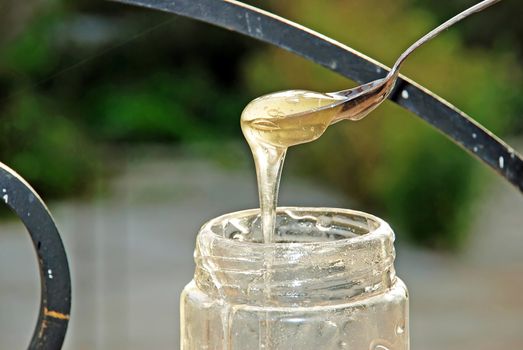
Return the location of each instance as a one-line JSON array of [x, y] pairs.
[[327, 283]]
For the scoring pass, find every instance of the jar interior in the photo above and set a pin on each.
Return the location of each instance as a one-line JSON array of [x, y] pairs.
[[296, 225]]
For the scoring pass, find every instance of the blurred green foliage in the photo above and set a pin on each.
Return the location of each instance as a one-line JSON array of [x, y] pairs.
[[77, 78], [161, 107], [81, 78], [41, 143]]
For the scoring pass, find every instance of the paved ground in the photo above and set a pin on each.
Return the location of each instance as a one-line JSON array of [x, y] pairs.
[[131, 254]]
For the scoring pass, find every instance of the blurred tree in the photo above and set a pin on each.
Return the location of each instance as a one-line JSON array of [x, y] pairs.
[[82, 72], [37, 139], [501, 30], [14, 16]]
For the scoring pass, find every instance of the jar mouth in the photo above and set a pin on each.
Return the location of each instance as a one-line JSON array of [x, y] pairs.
[[297, 226]]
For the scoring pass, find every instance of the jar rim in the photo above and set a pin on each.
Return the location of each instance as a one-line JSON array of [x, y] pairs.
[[381, 228]]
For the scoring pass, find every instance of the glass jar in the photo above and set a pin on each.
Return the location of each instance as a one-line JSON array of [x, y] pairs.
[[327, 283]]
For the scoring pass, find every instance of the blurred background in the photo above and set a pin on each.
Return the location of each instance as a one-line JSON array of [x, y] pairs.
[[126, 121]]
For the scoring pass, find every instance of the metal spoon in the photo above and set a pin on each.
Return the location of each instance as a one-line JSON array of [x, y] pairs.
[[288, 118], [363, 99]]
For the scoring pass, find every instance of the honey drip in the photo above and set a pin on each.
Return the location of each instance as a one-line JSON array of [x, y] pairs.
[[274, 122]]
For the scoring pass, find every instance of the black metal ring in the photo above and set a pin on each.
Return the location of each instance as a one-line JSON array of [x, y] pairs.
[[275, 30], [55, 280]]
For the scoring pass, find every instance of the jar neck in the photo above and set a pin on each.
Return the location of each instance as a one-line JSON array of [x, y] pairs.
[[323, 256]]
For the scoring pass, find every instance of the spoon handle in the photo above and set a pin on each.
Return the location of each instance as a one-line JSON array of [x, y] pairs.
[[471, 10]]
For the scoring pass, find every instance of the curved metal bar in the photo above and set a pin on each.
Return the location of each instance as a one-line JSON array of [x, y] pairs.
[[55, 303], [267, 27]]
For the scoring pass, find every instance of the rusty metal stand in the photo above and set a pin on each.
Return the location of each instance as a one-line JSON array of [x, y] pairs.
[[55, 280]]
